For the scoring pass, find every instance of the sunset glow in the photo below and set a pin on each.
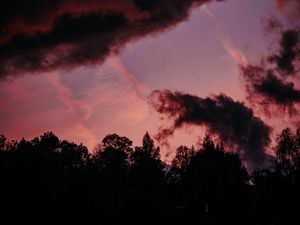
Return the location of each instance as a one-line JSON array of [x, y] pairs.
[[199, 55]]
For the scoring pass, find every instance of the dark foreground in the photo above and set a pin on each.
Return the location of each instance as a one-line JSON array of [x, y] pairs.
[[47, 180]]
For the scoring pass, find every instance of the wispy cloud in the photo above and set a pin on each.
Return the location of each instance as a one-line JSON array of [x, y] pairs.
[[75, 106], [118, 65], [205, 8], [235, 54], [224, 38]]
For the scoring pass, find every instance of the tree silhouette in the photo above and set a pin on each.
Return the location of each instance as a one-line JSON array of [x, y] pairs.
[[146, 176], [2, 142], [276, 188], [288, 151], [145, 160], [56, 178], [183, 157], [110, 164]]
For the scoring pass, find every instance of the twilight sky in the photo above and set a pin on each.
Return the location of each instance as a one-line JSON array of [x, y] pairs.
[[85, 101]]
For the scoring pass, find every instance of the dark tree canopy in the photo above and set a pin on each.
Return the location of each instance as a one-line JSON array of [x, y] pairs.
[[58, 179]]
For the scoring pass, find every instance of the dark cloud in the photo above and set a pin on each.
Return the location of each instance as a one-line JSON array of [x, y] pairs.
[[270, 85], [289, 52], [231, 120], [266, 89], [43, 35]]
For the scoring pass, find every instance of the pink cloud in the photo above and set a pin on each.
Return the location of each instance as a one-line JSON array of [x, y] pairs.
[[233, 52], [75, 106], [29, 107], [118, 65]]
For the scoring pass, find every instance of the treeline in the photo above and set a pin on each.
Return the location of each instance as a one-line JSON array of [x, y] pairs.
[[53, 179]]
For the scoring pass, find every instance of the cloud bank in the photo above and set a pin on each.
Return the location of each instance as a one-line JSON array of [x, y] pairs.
[[47, 35]]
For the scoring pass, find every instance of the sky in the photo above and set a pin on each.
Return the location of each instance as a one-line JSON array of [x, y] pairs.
[[82, 102]]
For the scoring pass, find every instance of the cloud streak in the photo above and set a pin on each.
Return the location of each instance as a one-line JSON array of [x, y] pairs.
[[236, 54], [75, 106], [140, 89]]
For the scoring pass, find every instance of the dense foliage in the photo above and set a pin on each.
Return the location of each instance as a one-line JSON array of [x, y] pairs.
[[56, 179]]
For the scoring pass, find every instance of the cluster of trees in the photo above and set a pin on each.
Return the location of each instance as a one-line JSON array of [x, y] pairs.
[[119, 182]]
